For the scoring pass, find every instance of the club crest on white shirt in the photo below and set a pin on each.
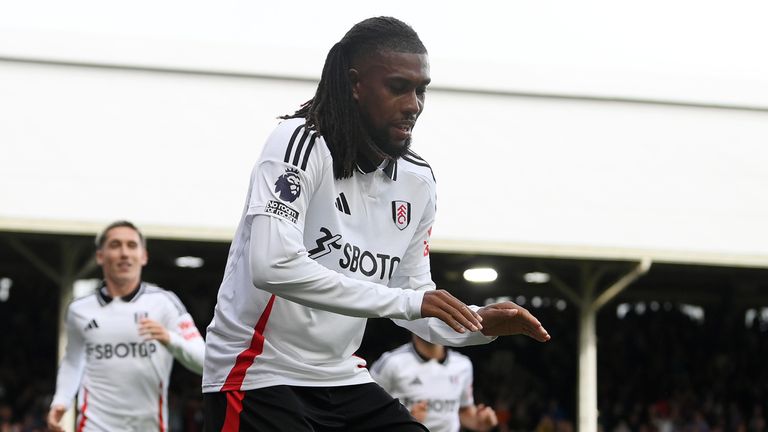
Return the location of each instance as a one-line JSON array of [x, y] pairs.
[[401, 214]]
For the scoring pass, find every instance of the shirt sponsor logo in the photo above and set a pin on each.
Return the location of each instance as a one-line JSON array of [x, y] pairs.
[[119, 350], [434, 405], [188, 330], [401, 214], [325, 243], [288, 185], [354, 258], [279, 209]]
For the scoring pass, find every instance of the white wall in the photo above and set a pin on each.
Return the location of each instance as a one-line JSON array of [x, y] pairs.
[[81, 146], [684, 50]]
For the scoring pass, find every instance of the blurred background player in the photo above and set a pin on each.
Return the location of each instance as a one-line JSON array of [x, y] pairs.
[[122, 340], [435, 384]]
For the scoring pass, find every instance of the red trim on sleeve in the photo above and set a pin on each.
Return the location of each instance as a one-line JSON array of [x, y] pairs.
[[245, 359]]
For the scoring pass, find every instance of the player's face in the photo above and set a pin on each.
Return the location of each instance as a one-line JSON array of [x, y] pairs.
[[122, 256], [390, 88]]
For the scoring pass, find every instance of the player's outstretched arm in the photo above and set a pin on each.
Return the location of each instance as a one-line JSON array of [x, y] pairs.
[[508, 318]]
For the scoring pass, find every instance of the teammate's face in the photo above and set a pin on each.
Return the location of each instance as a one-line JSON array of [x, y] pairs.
[[389, 88], [122, 256]]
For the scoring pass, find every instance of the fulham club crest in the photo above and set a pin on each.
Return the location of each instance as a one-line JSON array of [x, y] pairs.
[[401, 214]]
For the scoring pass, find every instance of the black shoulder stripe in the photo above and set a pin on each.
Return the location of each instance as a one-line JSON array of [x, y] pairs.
[[306, 153], [297, 153], [300, 147], [414, 155], [290, 144], [420, 163], [416, 161]]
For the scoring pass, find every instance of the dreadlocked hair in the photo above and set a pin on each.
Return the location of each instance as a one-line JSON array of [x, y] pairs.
[[333, 111]]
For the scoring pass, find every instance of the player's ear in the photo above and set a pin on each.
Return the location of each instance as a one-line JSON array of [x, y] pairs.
[[145, 257], [99, 257], [354, 81]]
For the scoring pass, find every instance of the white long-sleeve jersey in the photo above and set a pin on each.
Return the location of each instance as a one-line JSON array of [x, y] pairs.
[[312, 258], [446, 386], [121, 380]]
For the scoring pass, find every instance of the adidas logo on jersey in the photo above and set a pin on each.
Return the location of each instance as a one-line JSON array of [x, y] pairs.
[[341, 204], [92, 324], [416, 381]]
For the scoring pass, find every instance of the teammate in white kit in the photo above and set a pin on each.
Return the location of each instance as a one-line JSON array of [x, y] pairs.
[[122, 340], [336, 230], [435, 384]]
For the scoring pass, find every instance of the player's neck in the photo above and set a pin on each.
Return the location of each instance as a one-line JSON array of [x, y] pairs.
[[121, 288], [371, 158], [428, 350]]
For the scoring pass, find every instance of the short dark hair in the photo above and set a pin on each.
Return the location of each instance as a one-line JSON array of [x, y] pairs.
[[332, 111], [102, 236]]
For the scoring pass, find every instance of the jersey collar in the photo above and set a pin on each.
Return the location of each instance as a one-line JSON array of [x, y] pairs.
[[389, 167], [105, 298]]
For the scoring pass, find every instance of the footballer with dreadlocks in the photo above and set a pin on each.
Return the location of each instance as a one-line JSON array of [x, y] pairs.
[[336, 230]]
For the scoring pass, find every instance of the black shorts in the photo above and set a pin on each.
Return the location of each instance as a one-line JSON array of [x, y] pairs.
[[354, 408]]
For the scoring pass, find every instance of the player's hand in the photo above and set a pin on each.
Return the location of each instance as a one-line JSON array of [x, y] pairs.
[[507, 318], [151, 329], [419, 411], [486, 418], [442, 305], [54, 418]]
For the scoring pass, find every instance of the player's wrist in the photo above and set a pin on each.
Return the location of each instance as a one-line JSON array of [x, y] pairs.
[[414, 302]]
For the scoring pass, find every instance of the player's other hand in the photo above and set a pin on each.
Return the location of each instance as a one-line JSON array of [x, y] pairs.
[[442, 305], [486, 418], [419, 411], [507, 318], [54, 418], [151, 329]]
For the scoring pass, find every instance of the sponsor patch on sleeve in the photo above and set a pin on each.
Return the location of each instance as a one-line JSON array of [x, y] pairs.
[[282, 210]]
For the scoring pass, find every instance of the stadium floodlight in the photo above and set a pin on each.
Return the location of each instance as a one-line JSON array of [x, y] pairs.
[[536, 277], [5, 288], [189, 262], [480, 275]]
